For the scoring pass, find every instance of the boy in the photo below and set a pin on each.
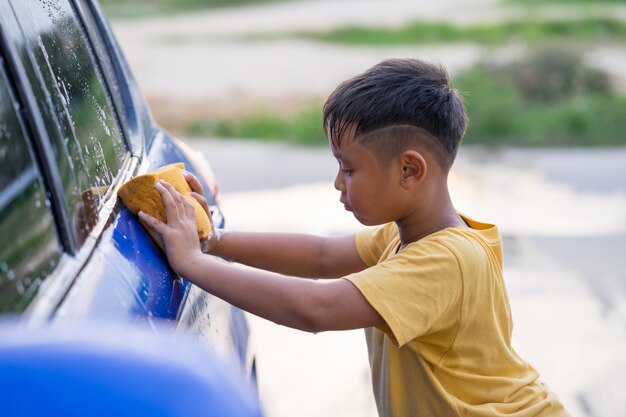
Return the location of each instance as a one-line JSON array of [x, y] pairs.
[[426, 286]]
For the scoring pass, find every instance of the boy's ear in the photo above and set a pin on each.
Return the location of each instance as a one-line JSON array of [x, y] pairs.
[[414, 168]]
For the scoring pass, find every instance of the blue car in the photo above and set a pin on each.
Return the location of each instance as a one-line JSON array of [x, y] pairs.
[[73, 128]]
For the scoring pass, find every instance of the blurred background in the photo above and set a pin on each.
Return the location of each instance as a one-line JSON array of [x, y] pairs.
[[544, 158]]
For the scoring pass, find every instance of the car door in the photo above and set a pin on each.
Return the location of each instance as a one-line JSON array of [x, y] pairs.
[[86, 131], [30, 249], [73, 127]]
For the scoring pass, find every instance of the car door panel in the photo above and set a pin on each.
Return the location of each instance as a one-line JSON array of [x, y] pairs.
[[110, 269]]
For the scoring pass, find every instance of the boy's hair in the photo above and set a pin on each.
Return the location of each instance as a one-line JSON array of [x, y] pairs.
[[397, 103]]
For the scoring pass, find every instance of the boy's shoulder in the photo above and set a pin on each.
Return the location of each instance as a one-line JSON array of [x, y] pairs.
[[373, 242], [474, 241], [477, 247]]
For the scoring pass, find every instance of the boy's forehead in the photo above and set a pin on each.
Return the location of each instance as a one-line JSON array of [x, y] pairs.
[[349, 150], [337, 152], [341, 132]]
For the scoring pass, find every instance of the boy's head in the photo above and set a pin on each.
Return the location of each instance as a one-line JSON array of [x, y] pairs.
[[396, 104]]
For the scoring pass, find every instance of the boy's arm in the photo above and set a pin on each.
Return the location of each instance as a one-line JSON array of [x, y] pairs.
[[304, 304], [292, 254], [299, 303]]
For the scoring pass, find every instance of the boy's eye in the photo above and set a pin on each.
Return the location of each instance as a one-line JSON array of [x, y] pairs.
[[347, 172]]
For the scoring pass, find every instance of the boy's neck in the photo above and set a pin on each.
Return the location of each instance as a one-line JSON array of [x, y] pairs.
[[436, 214]]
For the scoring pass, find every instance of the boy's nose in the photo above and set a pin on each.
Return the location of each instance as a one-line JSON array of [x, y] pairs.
[[338, 182]]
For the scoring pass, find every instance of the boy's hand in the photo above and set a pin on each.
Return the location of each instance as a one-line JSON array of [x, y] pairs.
[[198, 193], [180, 233], [196, 190]]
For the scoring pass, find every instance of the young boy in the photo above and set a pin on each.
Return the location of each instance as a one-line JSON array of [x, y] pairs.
[[426, 286]]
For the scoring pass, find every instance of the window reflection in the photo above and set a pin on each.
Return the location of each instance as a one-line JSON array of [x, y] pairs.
[[77, 111], [29, 249]]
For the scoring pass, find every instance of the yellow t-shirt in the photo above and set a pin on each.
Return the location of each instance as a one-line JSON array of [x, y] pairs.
[[445, 349]]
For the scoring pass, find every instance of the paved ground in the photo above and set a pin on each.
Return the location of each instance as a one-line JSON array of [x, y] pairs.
[[201, 65], [565, 236], [562, 213]]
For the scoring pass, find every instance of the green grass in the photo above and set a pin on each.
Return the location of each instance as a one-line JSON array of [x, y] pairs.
[[588, 30], [500, 114], [497, 118], [304, 128], [142, 8], [547, 99]]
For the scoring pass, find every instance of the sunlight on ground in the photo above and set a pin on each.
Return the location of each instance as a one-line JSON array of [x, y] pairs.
[[560, 326]]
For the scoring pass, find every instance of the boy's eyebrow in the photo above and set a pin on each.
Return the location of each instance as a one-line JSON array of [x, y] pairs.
[[340, 157]]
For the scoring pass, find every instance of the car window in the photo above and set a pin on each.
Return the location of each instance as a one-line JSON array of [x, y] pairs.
[[74, 103], [29, 248], [103, 53]]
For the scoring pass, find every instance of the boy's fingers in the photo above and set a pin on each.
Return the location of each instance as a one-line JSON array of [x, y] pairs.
[[169, 187], [178, 198], [190, 210], [200, 199], [154, 224], [175, 203], [193, 182], [166, 191]]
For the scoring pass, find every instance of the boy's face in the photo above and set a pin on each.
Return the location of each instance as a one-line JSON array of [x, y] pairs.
[[369, 190]]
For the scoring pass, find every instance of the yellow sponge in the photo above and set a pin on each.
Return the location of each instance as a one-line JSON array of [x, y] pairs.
[[140, 194]]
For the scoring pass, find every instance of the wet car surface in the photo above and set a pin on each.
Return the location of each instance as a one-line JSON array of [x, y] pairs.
[[73, 128]]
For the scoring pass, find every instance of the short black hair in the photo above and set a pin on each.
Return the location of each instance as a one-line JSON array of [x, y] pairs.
[[407, 92]]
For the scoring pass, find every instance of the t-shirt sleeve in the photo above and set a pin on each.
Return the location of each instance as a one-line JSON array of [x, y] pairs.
[[416, 291], [372, 242]]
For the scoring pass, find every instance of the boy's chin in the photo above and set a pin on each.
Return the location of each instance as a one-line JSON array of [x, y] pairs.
[[366, 222]]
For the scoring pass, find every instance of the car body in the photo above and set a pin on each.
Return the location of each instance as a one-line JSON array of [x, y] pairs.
[[74, 127]]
